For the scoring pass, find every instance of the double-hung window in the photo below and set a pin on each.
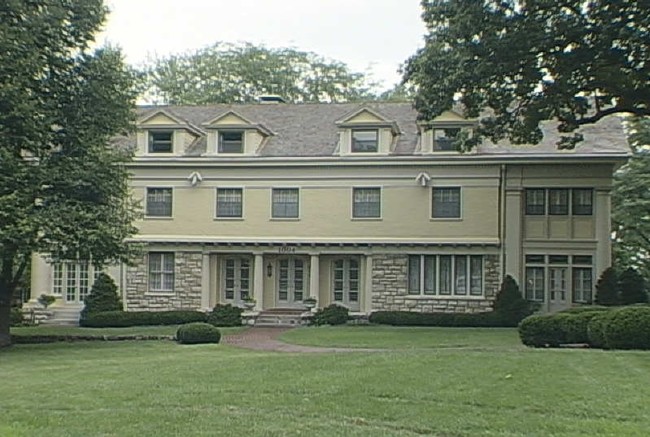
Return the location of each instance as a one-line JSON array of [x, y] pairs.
[[365, 141], [366, 202], [556, 201], [159, 202], [161, 272], [231, 142], [229, 202], [445, 275], [161, 142], [285, 202], [445, 202]]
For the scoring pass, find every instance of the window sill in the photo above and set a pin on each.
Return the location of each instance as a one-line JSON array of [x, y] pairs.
[[366, 219], [160, 293], [153, 217], [443, 297], [229, 219], [445, 219], [285, 219]]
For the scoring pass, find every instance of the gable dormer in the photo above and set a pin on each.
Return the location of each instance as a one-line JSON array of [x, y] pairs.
[[231, 134], [366, 132], [163, 134], [440, 134]]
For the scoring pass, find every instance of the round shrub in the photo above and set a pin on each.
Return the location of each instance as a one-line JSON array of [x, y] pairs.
[[225, 315], [596, 329], [331, 315], [542, 331], [575, 325], [197, 333], [629, 328]]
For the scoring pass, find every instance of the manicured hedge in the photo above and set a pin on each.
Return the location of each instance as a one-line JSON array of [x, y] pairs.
[[596, 329], [225, 315], [407, 318], [197, 333], [542, 331], [141, 318], [628, 328], [331, 315]]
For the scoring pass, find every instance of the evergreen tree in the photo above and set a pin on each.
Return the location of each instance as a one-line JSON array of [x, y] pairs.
[[103, 297], [607, 292], [509, 305], [632, 287]]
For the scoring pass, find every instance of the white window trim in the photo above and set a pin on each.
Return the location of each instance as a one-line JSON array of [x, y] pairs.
[[446, 219], [547, 205], [243, 210], [243, 142], [381, 204], [452, 296], [156, 292], [146, 200], [285, 219], [149, 131], [570, 265]]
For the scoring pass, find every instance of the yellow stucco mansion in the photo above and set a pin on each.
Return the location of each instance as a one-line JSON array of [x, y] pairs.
[[355, 204]]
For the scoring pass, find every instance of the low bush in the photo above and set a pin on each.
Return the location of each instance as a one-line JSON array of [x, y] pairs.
[[119, 319], [585, 309], [596, 329], [628, 328], [225, 315], [407, 318], [542, 331], [16, 317], [575, 325], [509, 305], [331, 315], [197, 333]]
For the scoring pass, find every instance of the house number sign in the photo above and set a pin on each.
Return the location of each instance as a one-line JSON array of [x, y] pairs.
[[286, 249]]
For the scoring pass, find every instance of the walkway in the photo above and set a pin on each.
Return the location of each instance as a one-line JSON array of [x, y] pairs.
[[266, 339]]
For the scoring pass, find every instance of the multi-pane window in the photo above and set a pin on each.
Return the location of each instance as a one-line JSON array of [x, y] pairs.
[[231, 142], [72, 280], [556, 201], [229, 202], [553, 277], [284, 203], [159, 202], [446, 202], [161, 271], [458, 275], [161, 142], [236, 278], [444, 139], [366, 202], [365, 141]]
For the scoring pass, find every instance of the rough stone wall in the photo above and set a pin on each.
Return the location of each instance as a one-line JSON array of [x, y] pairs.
[[390, 282], [187, 285]]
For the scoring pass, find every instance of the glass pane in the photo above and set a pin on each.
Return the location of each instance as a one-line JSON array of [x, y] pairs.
[[71, 282], [535, 259], [231, 142], [159, 202], [430, 274], [535, 284], [558, 259], [364, 141], [582, 285], [535, 201], [366, 202], [446, 202], [414, 274], [57, 279], [445, 274], [582, 201], [558, 201], [229, 202], [557, 283], [285, 203], [461, 274], [84, 281], [582, 259], [161, 142], [476, 275]]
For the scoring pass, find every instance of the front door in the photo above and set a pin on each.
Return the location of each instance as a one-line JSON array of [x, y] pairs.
[[292, 282], [236, 279], [345, 283], [557, 288], [74, 279]]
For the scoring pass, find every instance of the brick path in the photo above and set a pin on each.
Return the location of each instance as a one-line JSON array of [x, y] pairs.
[[266, 339]]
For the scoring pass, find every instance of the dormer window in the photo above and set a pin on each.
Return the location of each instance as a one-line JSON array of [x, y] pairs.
[[365, 141], [444, 139], [231, 142], [161, 141]]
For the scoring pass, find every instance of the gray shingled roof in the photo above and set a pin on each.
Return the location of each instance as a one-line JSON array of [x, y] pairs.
[[310, 130]]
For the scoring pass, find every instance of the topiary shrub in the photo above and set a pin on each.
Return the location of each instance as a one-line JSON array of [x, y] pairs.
[[141, 318], [575, 325], [509, 305], [628, 328], [596, 329], [331, 315], [542, 331], [607, 288], [632, 287], [197, 333], [225, 315], [102, 297]]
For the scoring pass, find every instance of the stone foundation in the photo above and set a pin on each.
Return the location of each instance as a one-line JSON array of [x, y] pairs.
[[390, 282], [187, 285]]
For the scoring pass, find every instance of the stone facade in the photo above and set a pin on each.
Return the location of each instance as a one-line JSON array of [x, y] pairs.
[[187, 285], [390, 282]]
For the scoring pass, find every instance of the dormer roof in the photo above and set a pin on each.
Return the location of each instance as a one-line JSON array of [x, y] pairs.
[[162, 119], [233, 120]]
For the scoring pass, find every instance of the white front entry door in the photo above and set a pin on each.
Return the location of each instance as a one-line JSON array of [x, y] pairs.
[[345, 282], [292, 281]]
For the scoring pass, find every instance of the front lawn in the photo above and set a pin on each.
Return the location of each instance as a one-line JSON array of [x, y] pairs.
[[100, 332], [162, 389], [388, 337]]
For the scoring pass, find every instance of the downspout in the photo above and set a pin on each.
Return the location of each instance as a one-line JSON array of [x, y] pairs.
[[502, 220]]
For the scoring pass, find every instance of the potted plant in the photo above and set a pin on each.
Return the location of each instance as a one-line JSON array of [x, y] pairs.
[[46, 300], [309, 302], [249, 302]]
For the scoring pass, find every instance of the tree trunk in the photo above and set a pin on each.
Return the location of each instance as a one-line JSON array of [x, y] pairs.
[[5, 316]]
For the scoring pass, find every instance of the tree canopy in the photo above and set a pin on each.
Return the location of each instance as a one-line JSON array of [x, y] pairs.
[[63, 187], [239, 73], [523, 62]]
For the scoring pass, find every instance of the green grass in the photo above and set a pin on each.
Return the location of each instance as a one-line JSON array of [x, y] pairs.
[[162, 389], [75, 330], [387, 337]]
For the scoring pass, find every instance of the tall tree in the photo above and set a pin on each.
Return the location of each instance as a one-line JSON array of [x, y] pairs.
[[63, 187], [231, 73], [631, 203], [523, 62]]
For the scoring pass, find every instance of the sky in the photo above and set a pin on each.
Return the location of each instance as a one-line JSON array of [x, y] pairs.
[[370, 36]]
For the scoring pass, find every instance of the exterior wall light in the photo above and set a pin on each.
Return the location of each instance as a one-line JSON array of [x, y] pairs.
[[269, 270]]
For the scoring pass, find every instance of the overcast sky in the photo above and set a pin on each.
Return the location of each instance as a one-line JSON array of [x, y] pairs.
[[371, 36]]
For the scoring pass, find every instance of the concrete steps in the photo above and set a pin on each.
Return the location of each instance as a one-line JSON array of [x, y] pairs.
[[63, 316], [282, 318]]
